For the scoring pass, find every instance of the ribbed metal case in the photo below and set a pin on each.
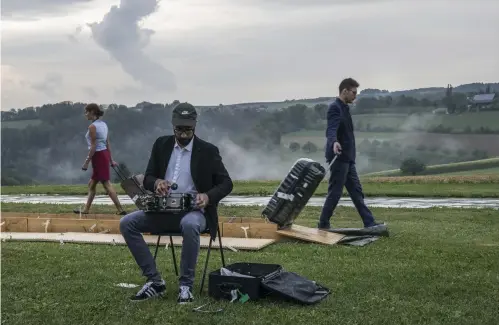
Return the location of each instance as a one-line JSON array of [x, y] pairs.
[[293, 193]]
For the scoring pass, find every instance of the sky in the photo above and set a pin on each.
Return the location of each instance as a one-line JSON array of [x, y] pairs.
[[211, 52]]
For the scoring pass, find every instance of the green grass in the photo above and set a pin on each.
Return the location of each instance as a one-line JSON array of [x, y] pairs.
[[487, 171], [439, 266], [373, 187], [429, 140], [474, 167], [473, 120], [405, 122]]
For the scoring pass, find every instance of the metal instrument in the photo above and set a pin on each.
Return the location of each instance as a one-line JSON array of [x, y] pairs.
[[172, 203]]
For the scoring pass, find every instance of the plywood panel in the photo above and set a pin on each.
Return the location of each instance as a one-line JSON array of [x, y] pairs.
[[117, 239], [242, 220], [109, 216], [255, 227], [263, 230], [73, 225], [250, 230], [313, 235], [14, 224], [35, 215], [236, 229]]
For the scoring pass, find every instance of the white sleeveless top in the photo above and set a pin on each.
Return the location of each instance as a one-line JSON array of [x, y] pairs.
[[101, 136]]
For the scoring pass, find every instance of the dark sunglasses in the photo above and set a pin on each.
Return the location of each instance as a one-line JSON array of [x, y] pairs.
[[183, 129]]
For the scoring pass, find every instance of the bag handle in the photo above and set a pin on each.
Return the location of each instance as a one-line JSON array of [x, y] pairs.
[[121, 175]]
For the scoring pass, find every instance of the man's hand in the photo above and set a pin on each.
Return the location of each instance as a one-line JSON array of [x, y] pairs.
[[114, 163], [202, 200], [85, 165], [337, 148], [162, 187]]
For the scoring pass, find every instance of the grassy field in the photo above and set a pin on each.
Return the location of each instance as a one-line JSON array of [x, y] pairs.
[[481, 168], [472, 120], [415, 122], [437, 267], [418, 186], [458, 141], [487, 171]]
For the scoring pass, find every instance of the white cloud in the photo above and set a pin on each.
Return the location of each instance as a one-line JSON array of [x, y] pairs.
[[254, 50]]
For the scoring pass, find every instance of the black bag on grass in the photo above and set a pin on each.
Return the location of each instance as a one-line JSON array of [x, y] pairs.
[[265, 280], [293, 287]]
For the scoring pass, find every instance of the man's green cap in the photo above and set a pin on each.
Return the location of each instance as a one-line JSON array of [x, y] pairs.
[[184, 114]]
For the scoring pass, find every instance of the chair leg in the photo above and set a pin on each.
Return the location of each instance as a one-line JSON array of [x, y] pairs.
[[157, 246], [205, 266], [173, 256], [221, 247]]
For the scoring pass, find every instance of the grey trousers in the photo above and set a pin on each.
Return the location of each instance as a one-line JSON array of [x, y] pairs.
[[192, 224]]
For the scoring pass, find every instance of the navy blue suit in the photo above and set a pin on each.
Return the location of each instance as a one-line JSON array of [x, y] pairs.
[[343, 171]]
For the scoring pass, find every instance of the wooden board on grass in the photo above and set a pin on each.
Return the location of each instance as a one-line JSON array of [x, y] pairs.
[[14, 224], [250, 230], [231, 228], [35, 215], [110, 216], [313, 235], [252, 244]]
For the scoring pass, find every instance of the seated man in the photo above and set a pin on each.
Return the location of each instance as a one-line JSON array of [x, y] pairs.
[[195, 167]]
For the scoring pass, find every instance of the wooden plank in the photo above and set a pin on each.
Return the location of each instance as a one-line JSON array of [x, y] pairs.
[[14, 224], [313, 235], [73, 225], [117, 239], [255, 219], [35, 215], [250, 230], [236, 229], [109, 216], [253, 230]]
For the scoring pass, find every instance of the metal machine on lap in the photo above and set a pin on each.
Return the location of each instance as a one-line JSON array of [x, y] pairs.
[[171, 203]]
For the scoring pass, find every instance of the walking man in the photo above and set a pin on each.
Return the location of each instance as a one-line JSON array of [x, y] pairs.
[[340, 140]]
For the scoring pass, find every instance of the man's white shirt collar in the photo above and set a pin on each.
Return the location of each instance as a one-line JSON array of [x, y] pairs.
[[187, 147]]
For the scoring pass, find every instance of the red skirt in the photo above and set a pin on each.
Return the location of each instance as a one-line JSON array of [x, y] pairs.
[[101, 163]]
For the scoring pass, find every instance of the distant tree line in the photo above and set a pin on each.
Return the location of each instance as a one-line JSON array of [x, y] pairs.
[[53, 149]]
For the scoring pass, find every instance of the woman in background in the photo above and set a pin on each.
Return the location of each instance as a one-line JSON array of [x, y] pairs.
[[100, 156]]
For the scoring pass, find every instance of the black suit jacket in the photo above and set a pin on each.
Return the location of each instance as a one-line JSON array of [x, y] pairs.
[[207, 170], [340, 129]]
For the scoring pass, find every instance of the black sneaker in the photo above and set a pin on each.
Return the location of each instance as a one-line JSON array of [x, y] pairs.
[[150, 290], [184, 295]]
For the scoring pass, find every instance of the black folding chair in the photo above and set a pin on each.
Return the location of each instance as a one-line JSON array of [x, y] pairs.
[[178, 233]]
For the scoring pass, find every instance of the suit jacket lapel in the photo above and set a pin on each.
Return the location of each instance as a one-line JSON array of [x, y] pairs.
[[167, 152], [195, 160]]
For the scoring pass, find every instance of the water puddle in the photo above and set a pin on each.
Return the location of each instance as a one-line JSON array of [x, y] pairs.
[[385, 202]]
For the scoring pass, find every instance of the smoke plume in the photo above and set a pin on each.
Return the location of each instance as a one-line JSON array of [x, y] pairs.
[[119, 34], [245, 164]]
